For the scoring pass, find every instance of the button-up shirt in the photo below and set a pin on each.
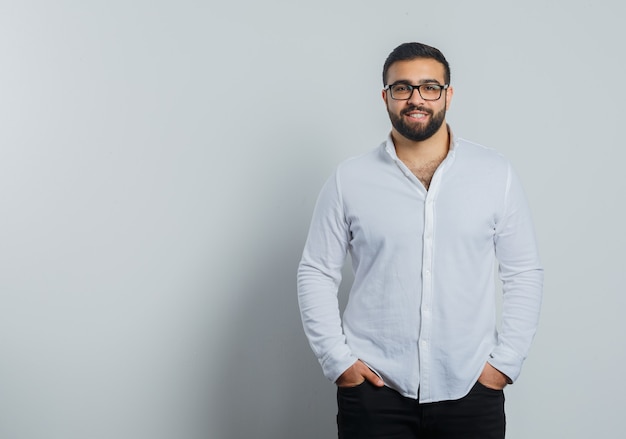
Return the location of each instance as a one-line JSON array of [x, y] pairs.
[[421, 312]]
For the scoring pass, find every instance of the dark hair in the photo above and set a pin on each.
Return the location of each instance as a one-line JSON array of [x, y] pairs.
[[410, 51]]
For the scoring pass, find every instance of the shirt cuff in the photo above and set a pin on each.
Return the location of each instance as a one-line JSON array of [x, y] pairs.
[[506, 361], [337, 362]]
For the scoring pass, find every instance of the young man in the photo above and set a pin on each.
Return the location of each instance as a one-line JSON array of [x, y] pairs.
[[425, 216]]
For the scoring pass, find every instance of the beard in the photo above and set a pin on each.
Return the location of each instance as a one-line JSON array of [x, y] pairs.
[[417, 132]]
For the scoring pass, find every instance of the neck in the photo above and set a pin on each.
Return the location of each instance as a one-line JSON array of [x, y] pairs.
[[433, 148]]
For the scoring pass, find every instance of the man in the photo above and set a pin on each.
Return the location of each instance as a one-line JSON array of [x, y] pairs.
[[425, 217]]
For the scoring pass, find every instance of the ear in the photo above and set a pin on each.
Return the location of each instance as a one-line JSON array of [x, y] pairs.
[[449, 94], [384, 95]]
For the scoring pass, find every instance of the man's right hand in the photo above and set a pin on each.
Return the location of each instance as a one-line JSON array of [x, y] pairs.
[[357, 374]]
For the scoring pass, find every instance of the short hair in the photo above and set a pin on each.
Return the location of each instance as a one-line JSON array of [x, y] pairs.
[[411, 51]]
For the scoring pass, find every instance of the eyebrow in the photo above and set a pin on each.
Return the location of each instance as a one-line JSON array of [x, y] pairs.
[[421, 81]]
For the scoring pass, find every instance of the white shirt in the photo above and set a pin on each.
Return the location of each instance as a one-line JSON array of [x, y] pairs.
[[422, 312]]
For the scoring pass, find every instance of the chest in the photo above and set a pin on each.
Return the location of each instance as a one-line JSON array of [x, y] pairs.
[[398, 215], [425, 171]]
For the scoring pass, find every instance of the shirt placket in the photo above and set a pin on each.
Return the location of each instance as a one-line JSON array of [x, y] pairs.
[[426, 308], [427, 299]]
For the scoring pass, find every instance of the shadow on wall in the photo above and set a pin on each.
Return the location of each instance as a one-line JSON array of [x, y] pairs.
[[269, 384]]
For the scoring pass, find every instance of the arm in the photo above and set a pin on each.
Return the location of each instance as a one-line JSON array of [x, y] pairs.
[[319, 276], [522, 282]]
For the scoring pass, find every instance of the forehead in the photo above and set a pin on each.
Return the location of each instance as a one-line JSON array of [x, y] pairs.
[[416, 71]]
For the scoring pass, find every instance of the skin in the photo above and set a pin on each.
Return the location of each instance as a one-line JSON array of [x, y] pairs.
[[422, 158]]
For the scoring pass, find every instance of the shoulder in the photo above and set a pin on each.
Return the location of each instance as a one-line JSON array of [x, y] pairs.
[[363, 164], [473, 149], [479, 165], [479, 155]]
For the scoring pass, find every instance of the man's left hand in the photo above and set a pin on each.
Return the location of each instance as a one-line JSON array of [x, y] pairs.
[[493, 378]]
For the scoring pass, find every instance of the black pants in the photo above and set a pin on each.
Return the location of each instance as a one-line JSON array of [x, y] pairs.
[[367, 412]]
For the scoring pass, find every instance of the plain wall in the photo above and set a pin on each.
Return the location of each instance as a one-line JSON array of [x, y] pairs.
[[159, 163]]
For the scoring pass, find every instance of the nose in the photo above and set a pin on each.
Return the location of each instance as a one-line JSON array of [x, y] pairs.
[[415, 98]]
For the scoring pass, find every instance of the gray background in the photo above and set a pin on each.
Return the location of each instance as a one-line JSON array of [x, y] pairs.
[[159, 162]]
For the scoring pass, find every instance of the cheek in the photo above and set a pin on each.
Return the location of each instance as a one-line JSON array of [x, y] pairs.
[[395, 106]]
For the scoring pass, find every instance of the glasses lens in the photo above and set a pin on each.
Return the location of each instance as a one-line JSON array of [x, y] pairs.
[[401, 91], [430, 92]]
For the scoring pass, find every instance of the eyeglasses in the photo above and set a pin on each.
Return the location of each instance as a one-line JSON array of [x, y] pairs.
[[401, 91]]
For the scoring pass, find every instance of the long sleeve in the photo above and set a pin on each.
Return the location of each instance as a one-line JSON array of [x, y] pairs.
[[522, 281], [319, 276]]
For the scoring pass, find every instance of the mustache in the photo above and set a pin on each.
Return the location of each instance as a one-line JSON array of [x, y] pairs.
[[417, 108]]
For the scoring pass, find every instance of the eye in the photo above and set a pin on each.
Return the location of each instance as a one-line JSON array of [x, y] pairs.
[[431, 87], [400, 88]]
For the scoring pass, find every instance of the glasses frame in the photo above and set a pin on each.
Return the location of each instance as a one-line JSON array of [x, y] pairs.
[[416, 87]]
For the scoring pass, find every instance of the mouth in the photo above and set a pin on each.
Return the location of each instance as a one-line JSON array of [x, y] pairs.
[[416, 114]]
